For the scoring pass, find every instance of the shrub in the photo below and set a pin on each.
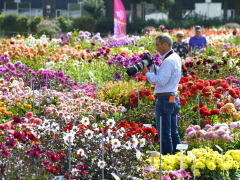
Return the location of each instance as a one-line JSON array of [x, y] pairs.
[[49, 31], [9, 22], [65, 24], [138, 24], [170, 24], [34, 22], [147, 29], [23, 24], [94, 7], [2, 16], [49, 25], [232, 25], [105, 25], [84, 23]]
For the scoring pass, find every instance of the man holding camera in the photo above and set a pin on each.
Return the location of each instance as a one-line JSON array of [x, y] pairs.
[[167, 103]]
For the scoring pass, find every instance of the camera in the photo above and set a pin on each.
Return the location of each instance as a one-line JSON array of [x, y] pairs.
[[147, 60]]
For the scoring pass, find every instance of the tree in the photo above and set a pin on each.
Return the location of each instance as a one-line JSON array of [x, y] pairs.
[[173, 8], [237, 7], [109, 8], [225, 6], [163, 5], [134, 7], [94, 7]]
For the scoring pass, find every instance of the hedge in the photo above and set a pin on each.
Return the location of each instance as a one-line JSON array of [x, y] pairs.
[[34, 22], [14, 22], [65, 24], [84, 23]]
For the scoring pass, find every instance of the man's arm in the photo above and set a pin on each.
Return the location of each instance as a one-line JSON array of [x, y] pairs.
[[163, 76]]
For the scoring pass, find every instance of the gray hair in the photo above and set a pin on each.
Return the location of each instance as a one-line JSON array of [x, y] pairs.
[[165, 37]]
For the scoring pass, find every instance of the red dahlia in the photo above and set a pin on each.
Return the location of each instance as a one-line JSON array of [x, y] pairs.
[[141, 93], [133, 95], [224, 85], [148, 92]]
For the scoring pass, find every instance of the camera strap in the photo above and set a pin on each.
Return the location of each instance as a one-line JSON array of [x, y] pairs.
[[167, 55]]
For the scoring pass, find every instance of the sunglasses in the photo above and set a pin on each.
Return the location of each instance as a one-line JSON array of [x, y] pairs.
[[180, 36]]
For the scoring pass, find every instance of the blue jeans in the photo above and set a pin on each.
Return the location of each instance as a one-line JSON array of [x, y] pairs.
[[168, 111]]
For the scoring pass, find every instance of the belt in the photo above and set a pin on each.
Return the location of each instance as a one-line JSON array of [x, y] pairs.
[[164, 94]]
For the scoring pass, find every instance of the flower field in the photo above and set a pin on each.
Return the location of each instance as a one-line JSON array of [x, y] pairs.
[[68, 108]]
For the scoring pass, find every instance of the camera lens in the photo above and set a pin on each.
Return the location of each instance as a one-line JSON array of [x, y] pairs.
[[132, 70], [147, 60]]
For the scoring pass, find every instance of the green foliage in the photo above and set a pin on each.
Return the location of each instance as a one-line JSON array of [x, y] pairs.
[[189, 22], [2, 16], [134, 1], [170, 24], [9, 22], [134, 114], [34, 22], [23, 24], [84, 23], [162, 5], [105, 25], [49, 31], [175, 11], [236, 19], [138, 24], [94, 7], [65, 24]]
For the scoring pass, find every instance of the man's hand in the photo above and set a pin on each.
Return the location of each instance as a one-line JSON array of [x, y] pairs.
[[144, 70]]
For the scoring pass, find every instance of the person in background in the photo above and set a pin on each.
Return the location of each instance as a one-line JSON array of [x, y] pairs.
[[180, 47], [198, 41]]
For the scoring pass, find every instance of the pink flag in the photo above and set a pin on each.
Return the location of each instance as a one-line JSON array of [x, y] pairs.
[[120, 19]]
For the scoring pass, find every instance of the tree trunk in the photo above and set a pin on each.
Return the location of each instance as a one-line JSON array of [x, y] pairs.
[[175, 12], [178, 2], [237, 7], [225, 6], [134, 10]]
